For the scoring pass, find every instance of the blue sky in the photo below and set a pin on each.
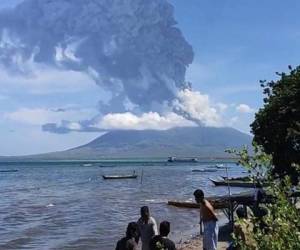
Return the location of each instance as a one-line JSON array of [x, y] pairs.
[[236, 43]]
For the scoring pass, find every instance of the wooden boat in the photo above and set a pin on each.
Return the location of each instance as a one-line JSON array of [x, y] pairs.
[[116, 177], [242, 178], [106, 166], [236, 183], [205, 170], [183, 204], [9, 171], [221, 166], [217, 204]]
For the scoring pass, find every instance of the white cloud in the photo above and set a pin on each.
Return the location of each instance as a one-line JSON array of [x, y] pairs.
[[40, 116], [151, 120], [244, 108], [222, 107], [197, 107], [233, 121]]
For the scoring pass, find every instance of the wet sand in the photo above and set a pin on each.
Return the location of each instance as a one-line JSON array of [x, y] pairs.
[[196, 242]]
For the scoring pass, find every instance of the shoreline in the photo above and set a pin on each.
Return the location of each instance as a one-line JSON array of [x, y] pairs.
[[195, 243]]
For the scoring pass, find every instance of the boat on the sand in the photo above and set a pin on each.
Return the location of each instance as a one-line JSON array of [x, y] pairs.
[[117, 177]]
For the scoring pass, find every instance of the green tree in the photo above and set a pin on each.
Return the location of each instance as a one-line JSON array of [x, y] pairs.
[[277, 124], [282, 224]]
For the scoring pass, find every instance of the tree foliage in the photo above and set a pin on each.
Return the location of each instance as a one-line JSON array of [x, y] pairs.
[[277, 124], [282, 224]]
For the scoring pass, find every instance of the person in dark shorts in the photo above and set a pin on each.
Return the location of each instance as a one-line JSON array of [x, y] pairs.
[[129, 241], [161, 241]]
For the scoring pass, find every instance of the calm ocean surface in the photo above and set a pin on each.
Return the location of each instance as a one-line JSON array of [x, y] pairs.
[[70, 206]]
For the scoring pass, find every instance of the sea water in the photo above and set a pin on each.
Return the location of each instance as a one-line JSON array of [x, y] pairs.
[[68, 205]]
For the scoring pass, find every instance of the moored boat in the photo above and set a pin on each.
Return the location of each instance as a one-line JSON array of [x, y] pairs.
[[106, 166], [206, 170], [242, 178], [236, 183], [116, 177], [221, 166], [175, 159], [9, 171], [217, 204]]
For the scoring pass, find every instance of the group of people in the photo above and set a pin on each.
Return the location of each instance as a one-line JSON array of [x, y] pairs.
[[146, 229]]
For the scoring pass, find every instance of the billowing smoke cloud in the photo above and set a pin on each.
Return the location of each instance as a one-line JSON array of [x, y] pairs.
[[196, 107], [131, 48]]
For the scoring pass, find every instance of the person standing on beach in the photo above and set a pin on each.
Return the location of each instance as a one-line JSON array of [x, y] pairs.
[[161, 241], [209, 219], [129, 242], [147, 227]]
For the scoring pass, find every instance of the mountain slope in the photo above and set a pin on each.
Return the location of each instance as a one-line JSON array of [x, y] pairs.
[[202, 142], [197, 141]]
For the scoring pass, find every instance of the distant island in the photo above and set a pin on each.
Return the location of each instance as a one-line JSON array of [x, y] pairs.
[[199, 142]]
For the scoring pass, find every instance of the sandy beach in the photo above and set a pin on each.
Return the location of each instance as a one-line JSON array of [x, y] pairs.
[[196, 242]]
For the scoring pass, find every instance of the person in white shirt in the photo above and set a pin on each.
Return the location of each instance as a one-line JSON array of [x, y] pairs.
[[147, 227]]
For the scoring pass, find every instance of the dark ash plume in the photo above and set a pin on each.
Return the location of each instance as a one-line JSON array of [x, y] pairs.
[[130, 47]]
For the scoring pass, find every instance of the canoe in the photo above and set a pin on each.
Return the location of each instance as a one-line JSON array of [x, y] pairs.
[[243, 178], [221, 166], [204, 170], [246, 184], [217, 204], [9, 171], [116, 177], [183, 204], [106, 166]]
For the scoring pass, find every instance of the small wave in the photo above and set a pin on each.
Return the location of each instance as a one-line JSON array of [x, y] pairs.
[[155, 201], [50, 205]]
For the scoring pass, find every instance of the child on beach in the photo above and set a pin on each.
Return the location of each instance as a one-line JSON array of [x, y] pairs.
[[209, 219], [161, 241], [129, 242], [147, 227]]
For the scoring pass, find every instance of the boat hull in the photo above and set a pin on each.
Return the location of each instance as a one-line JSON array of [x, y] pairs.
[[217, 204], [118, 177], [236, 184], [204, 170]]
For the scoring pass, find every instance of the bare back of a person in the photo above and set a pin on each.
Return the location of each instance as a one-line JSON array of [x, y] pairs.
[[207, 212]]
